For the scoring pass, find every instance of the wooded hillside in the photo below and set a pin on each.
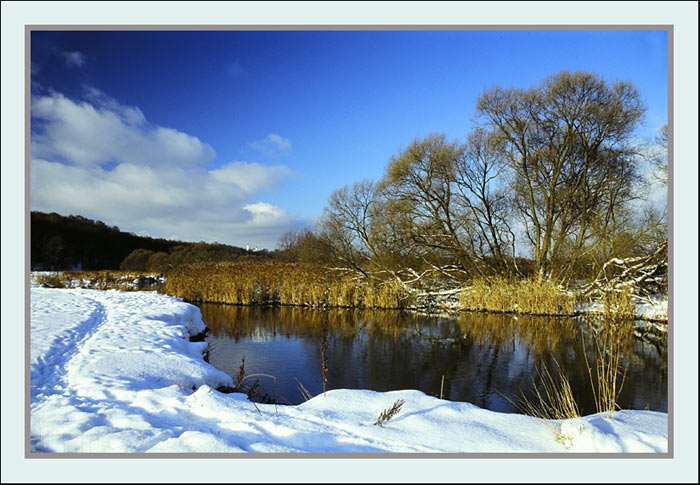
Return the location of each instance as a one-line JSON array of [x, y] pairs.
[[74, 242]]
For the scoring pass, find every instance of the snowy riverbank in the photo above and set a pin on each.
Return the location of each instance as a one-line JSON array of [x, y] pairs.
[[114, 371], [651, 312]]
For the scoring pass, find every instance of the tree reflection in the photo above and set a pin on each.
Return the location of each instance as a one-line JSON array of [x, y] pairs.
[[487, 359]]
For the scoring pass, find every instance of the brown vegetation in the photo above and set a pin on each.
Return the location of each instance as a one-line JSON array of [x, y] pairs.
[[556, 400], [387, 414], [185, 254], [100, 280], [557, 160], [306, 284], [532, 297], [245, 283], [611, 339]]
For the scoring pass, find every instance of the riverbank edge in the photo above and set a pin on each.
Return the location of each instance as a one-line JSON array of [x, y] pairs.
[[451, 305]]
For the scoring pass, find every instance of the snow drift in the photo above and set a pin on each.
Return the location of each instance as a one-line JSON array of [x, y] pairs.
[[115, 371]]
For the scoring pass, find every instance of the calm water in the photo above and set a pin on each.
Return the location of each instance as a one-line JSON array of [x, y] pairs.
[[487, 360]]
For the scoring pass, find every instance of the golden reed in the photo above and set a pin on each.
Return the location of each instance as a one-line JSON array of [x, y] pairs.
[[246, 283], [526, 297], [99, 280]]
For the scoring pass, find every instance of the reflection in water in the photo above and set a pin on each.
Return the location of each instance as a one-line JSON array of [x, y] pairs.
[[487, 360]]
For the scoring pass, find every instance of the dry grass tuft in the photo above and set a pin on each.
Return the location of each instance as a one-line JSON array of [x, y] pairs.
[[303, 390], [607, 376], [51, 280], [555, 401], [324, 357], [240, 376], [254, 391], [387, 414]]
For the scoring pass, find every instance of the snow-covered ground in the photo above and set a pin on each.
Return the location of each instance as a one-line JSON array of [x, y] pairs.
[[115, 371], [655, 309]]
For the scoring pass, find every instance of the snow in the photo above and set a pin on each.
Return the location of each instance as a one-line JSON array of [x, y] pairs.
[[656, 309], [114, 371], [652, 309]]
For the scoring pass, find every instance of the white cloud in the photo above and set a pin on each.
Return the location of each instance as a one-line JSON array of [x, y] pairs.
[[265, 214], [103, 160], [654, 189], [130, 114], [88, 134], [74, 58], [250, 177], [272, 144]]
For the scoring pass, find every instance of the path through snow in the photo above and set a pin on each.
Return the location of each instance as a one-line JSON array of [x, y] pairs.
[[115, 371]]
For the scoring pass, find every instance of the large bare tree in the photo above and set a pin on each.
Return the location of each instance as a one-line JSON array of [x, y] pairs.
[[567, 145], [419, 186], [445, 197], [485, 201]]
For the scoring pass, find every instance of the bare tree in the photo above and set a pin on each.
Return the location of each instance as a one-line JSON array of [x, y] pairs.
[[420, 189], [301, 245], [344, 228], [557, 159], [485, 200], [439, 210], [567, 145], [661, 159]]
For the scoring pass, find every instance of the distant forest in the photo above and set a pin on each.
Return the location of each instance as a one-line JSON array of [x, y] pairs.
[[74, 242]]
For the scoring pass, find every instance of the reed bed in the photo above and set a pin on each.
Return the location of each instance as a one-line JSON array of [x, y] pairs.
[[100, 280], [525, 297], [618, 304], [262, 283]]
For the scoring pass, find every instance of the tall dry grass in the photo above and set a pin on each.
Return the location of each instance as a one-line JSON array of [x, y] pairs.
[[246, 283], [100, 280], [611, 338], [555, 400], [618, 304], [324, 356], [528, 297]]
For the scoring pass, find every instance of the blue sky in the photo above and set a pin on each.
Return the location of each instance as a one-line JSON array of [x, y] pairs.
[[238, 137]]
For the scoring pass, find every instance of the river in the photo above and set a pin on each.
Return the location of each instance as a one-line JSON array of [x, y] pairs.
[[485, 359]]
